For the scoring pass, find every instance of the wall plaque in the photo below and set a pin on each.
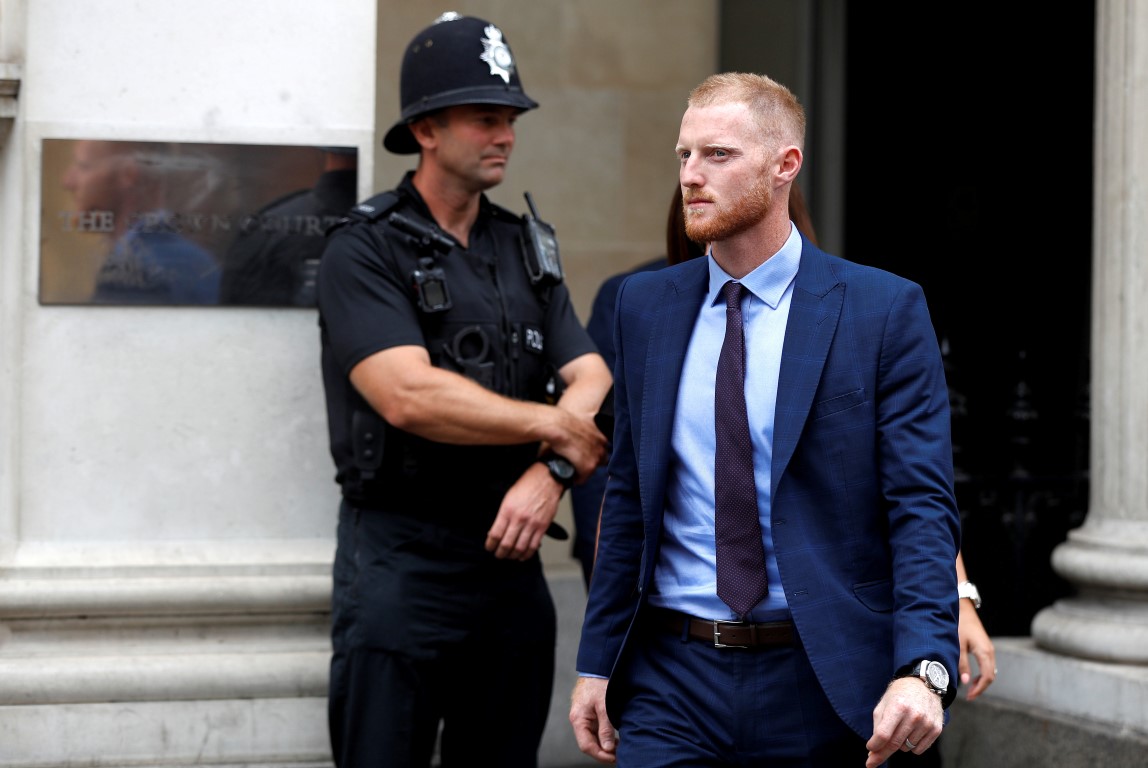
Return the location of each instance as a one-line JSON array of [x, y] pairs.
[[163, 223]]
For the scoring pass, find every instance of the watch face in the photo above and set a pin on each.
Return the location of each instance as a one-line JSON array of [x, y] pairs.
[[937, 675], [561, 469]]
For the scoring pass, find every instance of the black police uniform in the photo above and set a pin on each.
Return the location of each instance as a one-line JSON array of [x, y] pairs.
[[427, 624]]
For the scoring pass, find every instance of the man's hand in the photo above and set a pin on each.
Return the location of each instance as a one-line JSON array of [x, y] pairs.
[[975, 640], [579, 441], [574, 435], [592, 729], [909, 718], [526, 512]]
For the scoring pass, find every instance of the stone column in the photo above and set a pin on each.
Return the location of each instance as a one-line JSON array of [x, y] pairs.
[[1107, 557]]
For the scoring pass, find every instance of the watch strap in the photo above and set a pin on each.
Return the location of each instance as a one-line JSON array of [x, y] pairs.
[[967, 589], [916, 669], [560, 468]]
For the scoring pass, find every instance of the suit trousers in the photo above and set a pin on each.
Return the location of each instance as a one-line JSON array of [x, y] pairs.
[[688, 704]]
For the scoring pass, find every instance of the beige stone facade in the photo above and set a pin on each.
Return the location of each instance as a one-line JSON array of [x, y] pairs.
[[167, 502]]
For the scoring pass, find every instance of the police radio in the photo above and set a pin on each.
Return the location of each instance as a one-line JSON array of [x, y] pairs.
[[428, 280], [540, 249]]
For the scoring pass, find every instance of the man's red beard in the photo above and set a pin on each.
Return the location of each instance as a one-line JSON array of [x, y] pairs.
[[729, 219]]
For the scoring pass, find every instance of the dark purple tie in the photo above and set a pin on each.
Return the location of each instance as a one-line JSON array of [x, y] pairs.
[[741, 582]]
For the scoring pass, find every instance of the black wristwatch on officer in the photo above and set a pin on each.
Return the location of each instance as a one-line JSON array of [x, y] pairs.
[[560, 468]]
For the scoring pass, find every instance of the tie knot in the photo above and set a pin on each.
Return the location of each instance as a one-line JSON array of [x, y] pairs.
[[733, 291]]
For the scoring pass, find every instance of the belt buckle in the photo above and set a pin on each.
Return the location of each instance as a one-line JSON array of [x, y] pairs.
[[717, 633]]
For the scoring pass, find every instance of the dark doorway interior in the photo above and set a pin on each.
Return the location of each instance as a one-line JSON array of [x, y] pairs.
[[969, 169]]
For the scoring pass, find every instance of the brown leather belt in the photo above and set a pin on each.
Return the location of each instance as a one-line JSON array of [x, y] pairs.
[[727, 634]]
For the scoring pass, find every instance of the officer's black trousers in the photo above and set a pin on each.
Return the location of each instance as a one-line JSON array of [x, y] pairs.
[[428, 628]]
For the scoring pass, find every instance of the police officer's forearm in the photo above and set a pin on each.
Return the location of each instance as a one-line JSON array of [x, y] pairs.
[[587, 381], [416, 397]]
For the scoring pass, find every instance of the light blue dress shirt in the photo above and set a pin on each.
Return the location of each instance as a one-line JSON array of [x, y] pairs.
[[685, 577]]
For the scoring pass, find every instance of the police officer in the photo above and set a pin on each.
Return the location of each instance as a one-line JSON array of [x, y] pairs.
[[461, 390]]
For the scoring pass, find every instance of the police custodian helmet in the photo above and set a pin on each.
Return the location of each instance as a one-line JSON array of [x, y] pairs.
[[456, 60]]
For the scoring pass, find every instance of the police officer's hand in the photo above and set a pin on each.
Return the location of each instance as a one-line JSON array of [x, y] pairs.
[[570, 431], [526, 512], [579, 441]]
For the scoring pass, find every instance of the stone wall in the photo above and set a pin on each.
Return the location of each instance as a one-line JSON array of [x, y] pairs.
[[167, 503]]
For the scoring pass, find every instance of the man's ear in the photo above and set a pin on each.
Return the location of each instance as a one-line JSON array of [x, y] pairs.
[[423, 131], [789, 164]]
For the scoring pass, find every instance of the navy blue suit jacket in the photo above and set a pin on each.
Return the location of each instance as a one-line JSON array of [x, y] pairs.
[[864, 519], [586, 499]]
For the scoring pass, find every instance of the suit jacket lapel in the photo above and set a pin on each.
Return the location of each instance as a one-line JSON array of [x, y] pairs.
[[813, 315], [675, 310]]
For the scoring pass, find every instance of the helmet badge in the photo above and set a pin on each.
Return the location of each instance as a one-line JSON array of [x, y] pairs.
[[496, 53]]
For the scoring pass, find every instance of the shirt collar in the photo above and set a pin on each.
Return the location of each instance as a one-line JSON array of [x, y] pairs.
[[768, 281]]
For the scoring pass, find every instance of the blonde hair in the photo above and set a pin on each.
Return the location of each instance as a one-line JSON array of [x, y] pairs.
[[777, 111]]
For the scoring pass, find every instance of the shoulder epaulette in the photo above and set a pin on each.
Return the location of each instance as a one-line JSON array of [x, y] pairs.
[[371, 209]]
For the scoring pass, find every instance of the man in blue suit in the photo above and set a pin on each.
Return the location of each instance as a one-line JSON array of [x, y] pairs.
[[850, 654]]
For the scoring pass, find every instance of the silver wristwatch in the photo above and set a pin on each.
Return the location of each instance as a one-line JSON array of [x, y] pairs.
[[934, 674], [969, 590]]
